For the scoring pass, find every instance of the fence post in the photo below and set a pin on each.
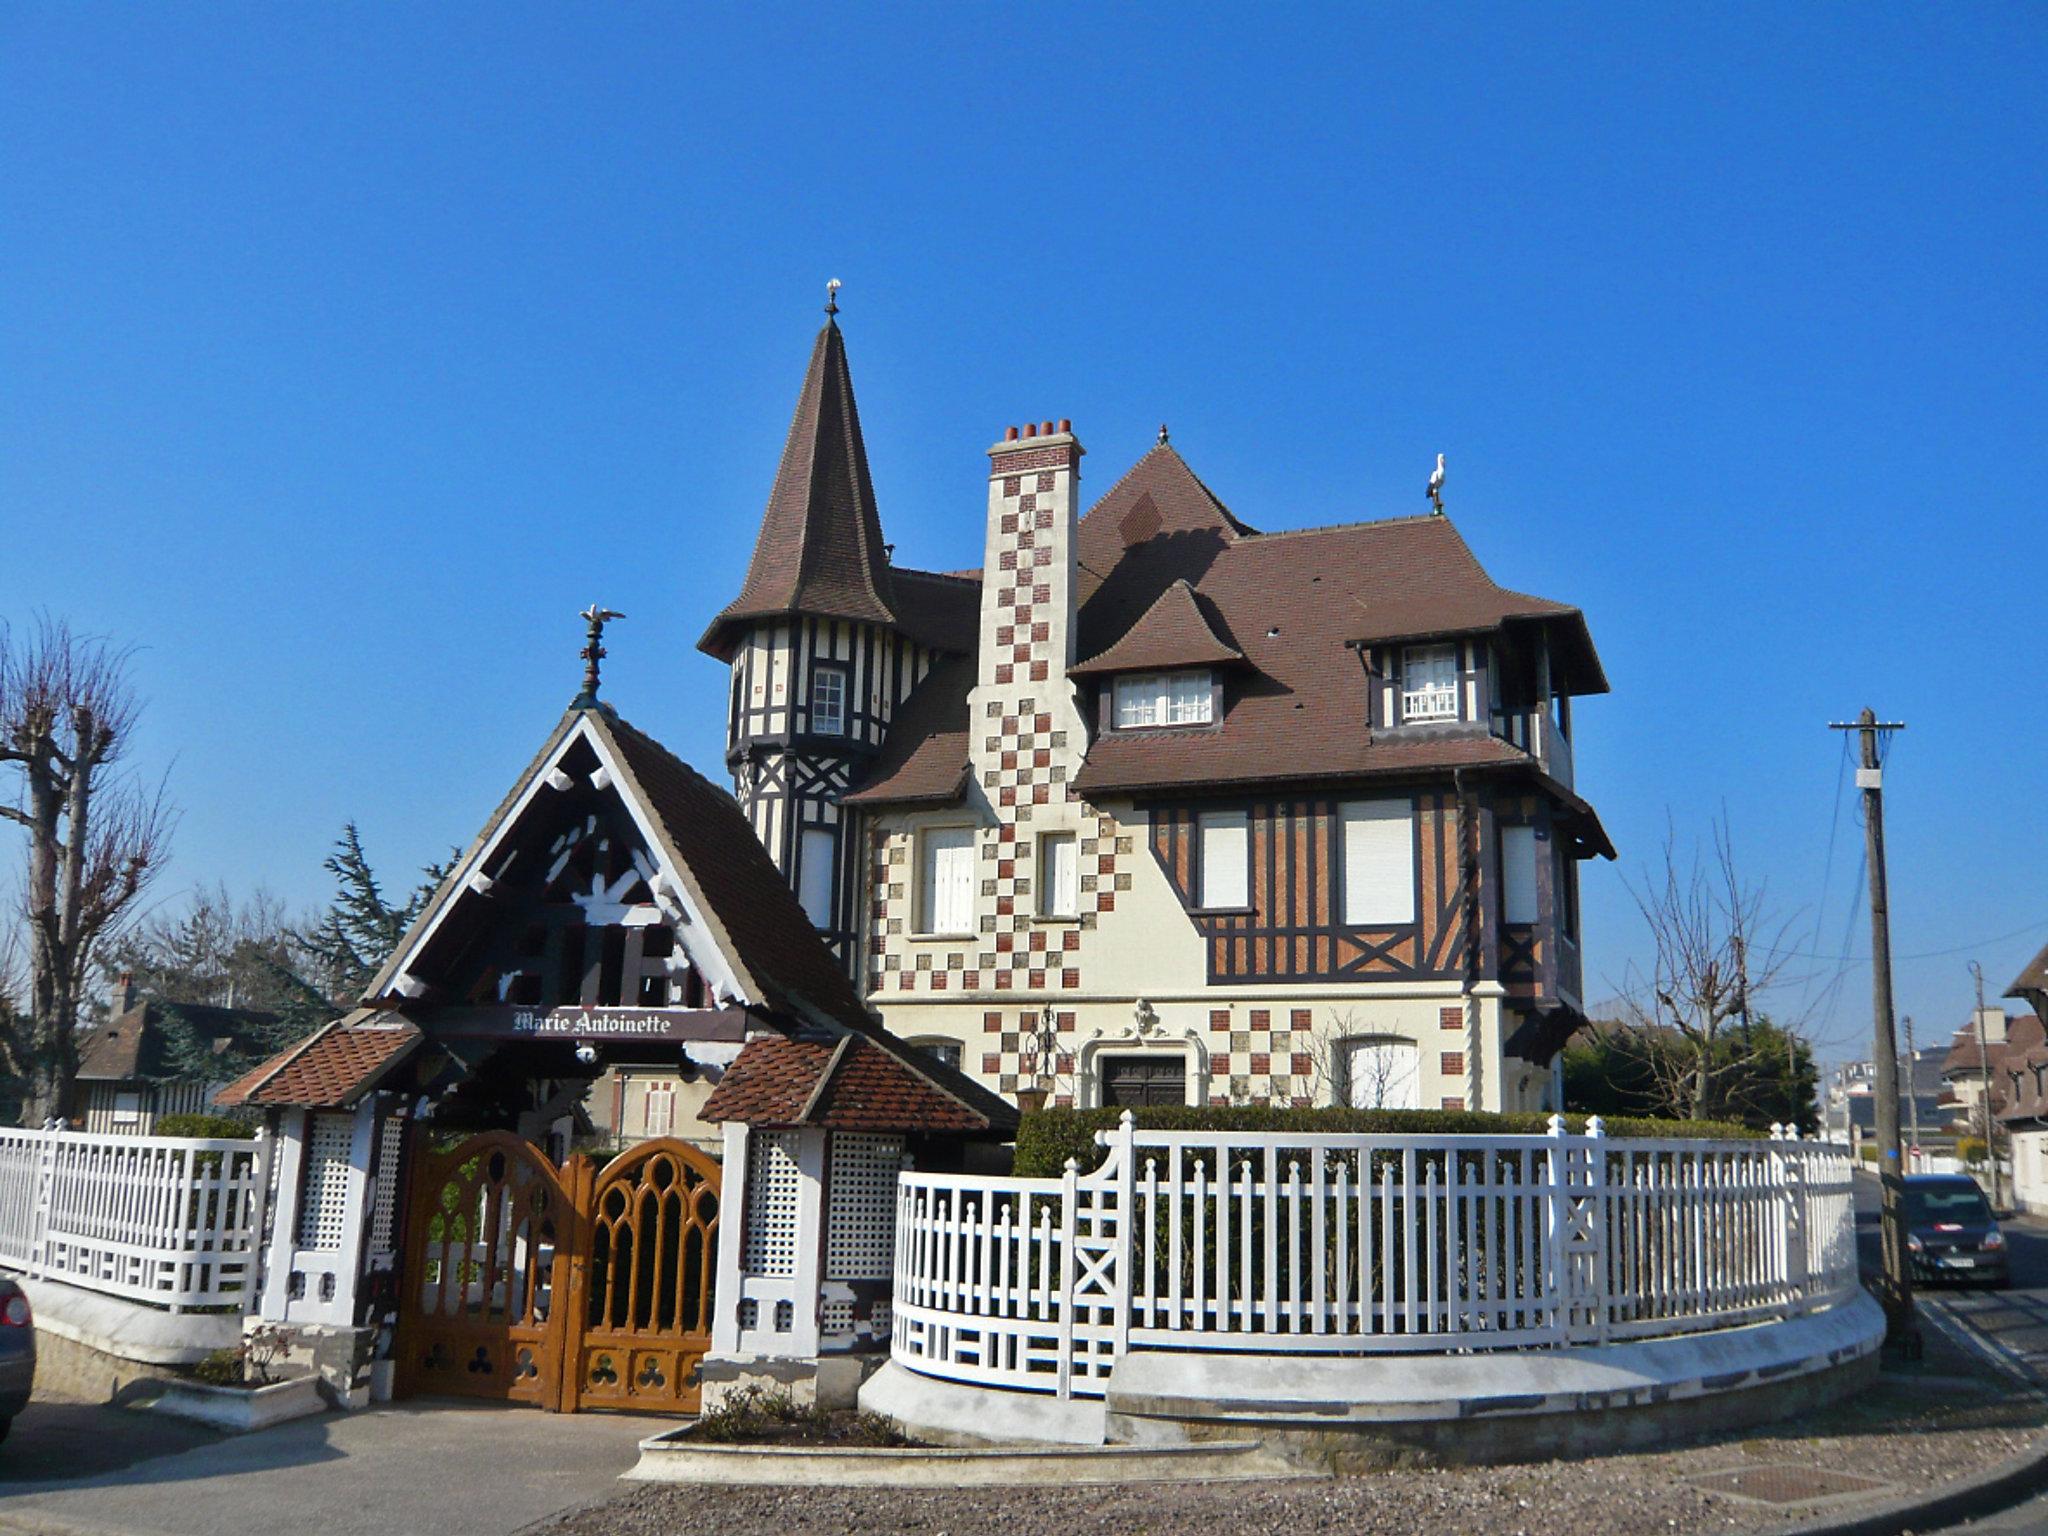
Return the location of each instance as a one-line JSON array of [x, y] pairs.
[[45, 1196], [1556, 1257], [1790, 1172], [1597, 1232], [1069, 1199], [259, 1211], [1126, 1225]]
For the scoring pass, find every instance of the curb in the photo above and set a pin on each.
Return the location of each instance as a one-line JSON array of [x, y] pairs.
[[1996, 1488]]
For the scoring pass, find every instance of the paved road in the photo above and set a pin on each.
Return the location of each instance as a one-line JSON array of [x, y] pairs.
[[452, 1469], [2008, 1327]]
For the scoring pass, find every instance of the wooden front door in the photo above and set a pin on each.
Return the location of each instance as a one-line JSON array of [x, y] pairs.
[[644, 1282], [1131, 1081], [478, 1311], [570, 1288]]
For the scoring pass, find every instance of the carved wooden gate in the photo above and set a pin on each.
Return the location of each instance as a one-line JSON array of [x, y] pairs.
[[570, 1288]]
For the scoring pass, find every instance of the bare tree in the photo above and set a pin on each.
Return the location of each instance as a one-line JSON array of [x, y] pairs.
[[95, 837], [1715, 947], [1356, 1066]]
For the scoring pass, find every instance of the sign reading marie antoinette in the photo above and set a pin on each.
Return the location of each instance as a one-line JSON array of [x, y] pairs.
[[573, 1022]]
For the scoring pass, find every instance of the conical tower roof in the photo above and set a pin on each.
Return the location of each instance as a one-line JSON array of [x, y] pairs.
[[820, 548]]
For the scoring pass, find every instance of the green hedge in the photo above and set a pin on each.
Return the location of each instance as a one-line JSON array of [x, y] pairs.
[[1048, 1137], [222, 1126]]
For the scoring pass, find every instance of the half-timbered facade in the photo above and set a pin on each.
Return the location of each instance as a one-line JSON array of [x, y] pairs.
[[1159, 805]]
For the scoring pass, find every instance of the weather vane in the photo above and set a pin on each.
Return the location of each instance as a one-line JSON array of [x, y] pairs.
[[832, 296], [596, 616]]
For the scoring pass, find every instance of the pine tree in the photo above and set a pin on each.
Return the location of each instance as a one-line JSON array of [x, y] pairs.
[[360, 928]]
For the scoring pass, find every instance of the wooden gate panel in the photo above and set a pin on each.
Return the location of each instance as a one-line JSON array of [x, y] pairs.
[[643, 1281], [480, 1313]]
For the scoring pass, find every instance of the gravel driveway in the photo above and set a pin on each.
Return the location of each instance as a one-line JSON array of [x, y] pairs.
[[1909, 1435]]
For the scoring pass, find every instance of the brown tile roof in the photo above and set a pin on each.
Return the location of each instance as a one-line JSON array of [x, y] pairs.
[[939, 609], [924, 758], [133, 1044], [820, 547], [854, 1084], [769, 933], [330, 1069], [1176, 631], [2033, 977]]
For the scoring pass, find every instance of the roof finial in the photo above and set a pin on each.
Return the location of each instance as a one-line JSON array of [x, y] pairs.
[[832, 296], [1162, 434], [1435, 492], [596, 616]]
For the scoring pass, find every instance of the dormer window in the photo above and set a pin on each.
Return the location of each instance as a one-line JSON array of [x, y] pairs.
[[1429, 683], [1148, 700], [828, 701]]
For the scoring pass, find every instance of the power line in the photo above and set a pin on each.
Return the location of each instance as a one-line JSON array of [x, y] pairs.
[[1925, 954]]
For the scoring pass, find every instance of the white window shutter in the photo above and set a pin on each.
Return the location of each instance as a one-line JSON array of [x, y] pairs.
[[948, 880], [1379, 863], [814, 875], [1518, 874], [1226, 859]]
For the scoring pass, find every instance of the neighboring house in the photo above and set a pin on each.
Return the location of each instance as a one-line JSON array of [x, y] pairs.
[[2005, 1043], [1155, 807], [1849, 1102], [2025, 1116], [126, 1081]]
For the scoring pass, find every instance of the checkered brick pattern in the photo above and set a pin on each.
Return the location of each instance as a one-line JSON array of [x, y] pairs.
[[1027, 746], [1262, 1055]]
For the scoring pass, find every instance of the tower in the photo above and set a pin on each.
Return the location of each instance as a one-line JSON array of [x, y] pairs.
[[819, 653]]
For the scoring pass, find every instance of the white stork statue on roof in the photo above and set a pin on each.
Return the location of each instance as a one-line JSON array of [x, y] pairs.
[[1435, 492]]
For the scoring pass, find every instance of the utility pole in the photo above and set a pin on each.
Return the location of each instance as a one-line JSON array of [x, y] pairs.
[[1912, 1092], [1984, 1070], [1896, 1284]]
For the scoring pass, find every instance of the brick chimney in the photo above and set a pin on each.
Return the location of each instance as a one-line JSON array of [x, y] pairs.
[[1027, 589], [125, 996]]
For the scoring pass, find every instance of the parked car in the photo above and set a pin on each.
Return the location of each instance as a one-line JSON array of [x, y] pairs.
[[17, 1353], [1950, 1231]]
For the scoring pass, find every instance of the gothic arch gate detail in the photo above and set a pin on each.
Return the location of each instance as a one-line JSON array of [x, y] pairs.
[[566, 1288]]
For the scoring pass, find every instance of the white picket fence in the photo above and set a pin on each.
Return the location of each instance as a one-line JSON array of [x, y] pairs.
[[170, 1220], [1335, 1244]]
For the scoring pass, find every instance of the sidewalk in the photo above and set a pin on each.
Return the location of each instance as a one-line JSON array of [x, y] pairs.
[[449, 1468]]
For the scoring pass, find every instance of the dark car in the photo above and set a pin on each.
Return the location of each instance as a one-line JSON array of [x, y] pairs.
[[17, 1353], [1950, 1231]]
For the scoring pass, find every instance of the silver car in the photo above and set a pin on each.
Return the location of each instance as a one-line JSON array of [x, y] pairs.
[[17, 1353]]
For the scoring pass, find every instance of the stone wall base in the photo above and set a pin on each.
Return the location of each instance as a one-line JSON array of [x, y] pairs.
[[340, 1357], [829, 1381]]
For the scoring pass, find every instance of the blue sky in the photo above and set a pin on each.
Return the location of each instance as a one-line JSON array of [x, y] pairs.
[[346, 352]]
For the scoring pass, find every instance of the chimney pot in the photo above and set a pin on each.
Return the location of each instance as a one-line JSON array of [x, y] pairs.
[[1030, 429], [1010, 434], [1066, 425], [1046, 429]]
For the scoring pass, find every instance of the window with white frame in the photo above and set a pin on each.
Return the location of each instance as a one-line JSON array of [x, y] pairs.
[[945, 884], [1225, 859], [1429, 683], [1163, 698], [1059, 875], [127, 1108], [814, 874], [1381, 1072], [1379, 863], [658, 1109], [1518, 874], [828, 701]]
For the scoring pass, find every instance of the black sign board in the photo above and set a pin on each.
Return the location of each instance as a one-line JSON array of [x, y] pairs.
[[573, 1022]]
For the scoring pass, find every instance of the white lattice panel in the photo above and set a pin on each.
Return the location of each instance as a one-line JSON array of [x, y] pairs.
[[772, 1184], [384, 1197], [323, 1208], [860, 1215]]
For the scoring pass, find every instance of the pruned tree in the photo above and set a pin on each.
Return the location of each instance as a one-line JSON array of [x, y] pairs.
[[1715, 947], [94, 836], [1353, 1064]]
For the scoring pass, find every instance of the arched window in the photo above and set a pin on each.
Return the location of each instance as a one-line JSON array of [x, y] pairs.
[[1380, 1072]]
